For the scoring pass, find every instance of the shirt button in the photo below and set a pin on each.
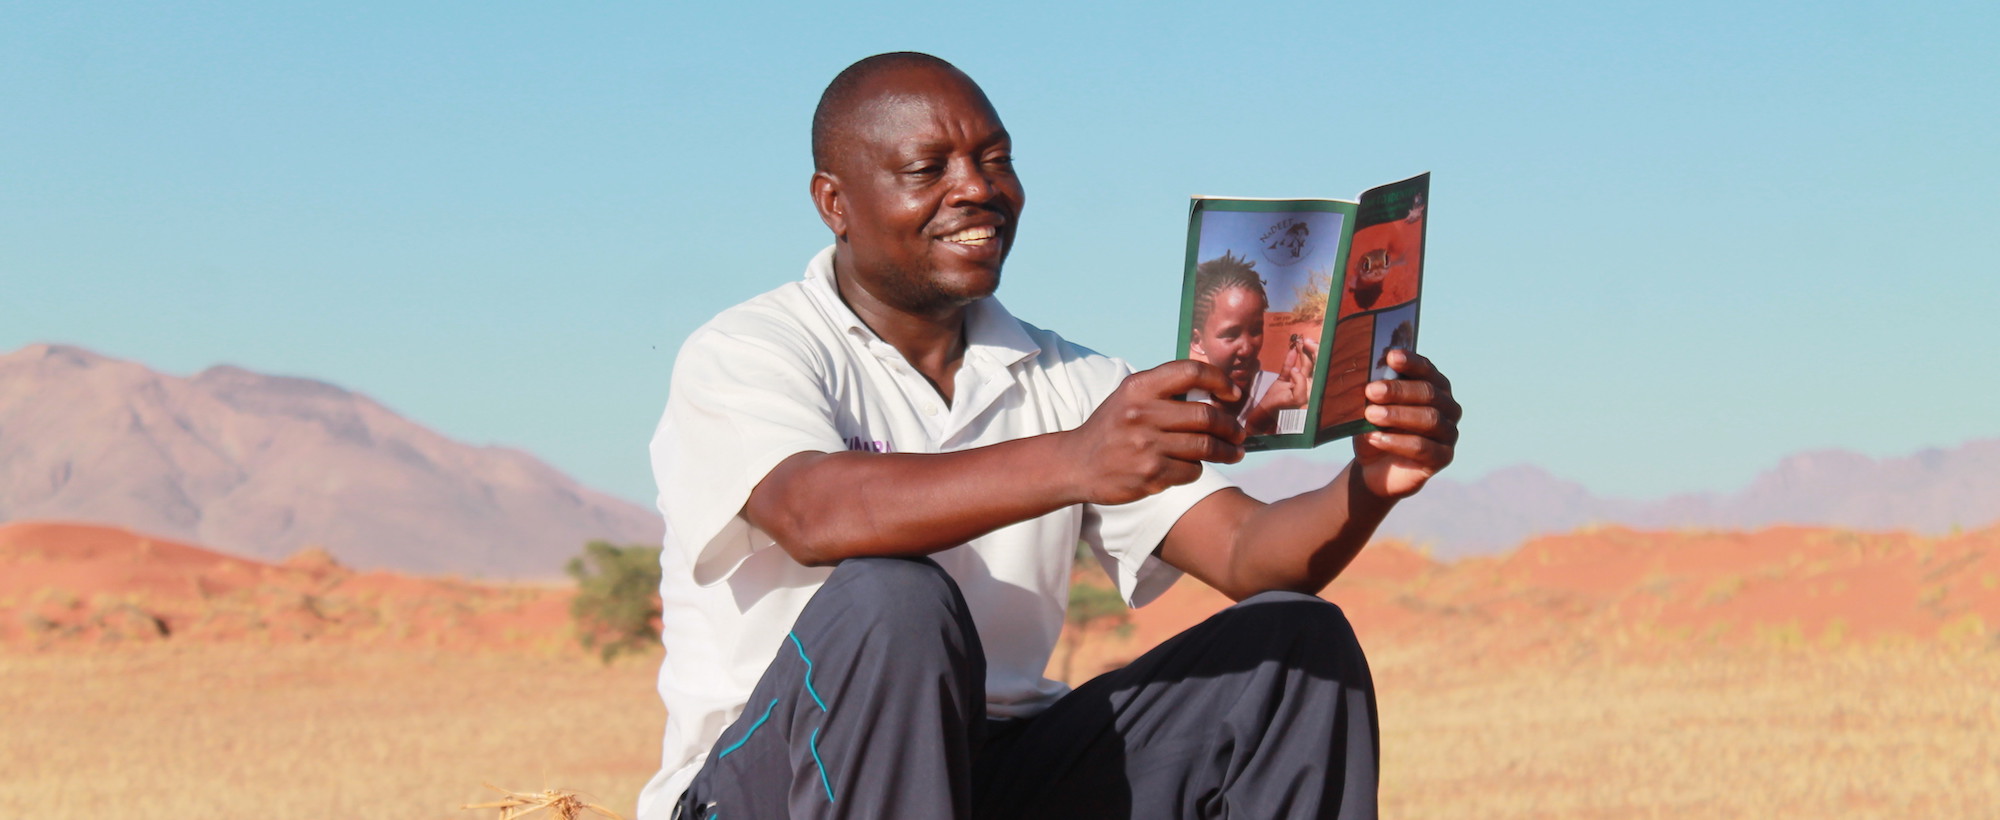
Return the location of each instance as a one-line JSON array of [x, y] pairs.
[[930, 409]]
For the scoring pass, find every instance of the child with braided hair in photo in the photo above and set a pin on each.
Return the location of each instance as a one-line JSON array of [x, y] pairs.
[[1229, 310]]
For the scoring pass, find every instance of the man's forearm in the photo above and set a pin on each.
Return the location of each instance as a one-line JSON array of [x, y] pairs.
[[1301, 543], [1242, 547], [826, 507]]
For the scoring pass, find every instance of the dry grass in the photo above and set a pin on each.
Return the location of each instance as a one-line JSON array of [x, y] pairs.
[[1883, 732], [179, 731], [344, 732]]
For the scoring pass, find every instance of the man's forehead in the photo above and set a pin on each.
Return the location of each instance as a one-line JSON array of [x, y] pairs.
[[917, 103], [905, 117]]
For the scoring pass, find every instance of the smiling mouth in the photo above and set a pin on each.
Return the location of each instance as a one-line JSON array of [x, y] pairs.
[[976, 237]]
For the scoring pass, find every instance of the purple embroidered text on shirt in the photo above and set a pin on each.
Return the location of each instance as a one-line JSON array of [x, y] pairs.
[[865, 445]]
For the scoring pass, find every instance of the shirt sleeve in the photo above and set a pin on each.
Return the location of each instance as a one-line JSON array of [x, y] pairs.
[[743, 398], [1125, 537]]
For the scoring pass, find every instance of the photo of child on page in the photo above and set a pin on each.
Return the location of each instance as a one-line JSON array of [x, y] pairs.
[[1259, 300], [1230, 310]]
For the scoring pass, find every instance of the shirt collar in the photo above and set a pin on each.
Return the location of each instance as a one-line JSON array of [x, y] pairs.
[[991, 333]]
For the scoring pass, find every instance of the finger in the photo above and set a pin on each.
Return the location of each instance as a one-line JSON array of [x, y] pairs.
[[1303, 373], [1429, 422], [1451, 409], [1180, 472], [1364, 447], [1192, 447], [1400, 391], [1198, 417], [1412, 391], [1178, 377], [1421, 451], [1411, 364], [1403, 417]]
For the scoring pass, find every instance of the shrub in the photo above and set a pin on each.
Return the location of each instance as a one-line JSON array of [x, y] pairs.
[[617, 604], [1091, 609]]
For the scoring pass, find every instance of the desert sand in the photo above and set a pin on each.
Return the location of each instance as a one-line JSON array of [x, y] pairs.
[[1608, 673]]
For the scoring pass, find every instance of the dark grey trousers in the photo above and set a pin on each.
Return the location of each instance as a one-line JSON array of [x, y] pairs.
[[875, 708]]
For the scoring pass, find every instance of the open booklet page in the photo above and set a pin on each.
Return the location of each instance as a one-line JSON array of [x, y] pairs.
[[1286, 299], [1378, 305], [1255, 299]]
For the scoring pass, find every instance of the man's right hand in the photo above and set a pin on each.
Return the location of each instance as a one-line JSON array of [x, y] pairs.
[[1142, 440], [825, 507]]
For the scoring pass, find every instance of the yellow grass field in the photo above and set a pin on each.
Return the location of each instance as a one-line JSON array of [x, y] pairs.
[[1888, 731], [322, 731], [316, 731]]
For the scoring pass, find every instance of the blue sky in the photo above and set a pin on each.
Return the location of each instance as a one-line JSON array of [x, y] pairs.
[[1668, 243]]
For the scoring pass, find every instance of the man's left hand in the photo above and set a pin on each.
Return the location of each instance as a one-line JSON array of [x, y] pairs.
[[1419, 421]]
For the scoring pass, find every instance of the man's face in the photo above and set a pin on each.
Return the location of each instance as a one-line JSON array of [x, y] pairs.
[[927, 194], [1233, 334]]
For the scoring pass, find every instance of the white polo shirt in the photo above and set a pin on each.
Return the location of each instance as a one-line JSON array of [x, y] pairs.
[[793, 371]]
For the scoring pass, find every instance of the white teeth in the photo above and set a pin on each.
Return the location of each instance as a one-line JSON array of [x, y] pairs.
[[973, 235]]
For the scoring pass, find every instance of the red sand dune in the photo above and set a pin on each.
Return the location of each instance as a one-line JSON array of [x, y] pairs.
[[63, 583], [1610, 589], [1646, 593]]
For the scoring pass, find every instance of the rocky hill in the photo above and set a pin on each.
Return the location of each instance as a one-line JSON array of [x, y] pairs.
[[261, 466]]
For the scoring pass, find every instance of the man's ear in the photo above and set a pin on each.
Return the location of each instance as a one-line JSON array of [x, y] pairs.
[[831, 205]]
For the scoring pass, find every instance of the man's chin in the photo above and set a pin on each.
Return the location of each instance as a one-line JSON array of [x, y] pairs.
[[968, 285], [946, 290]]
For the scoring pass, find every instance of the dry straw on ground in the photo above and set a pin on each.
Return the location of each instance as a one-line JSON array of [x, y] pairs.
[[560, 805]]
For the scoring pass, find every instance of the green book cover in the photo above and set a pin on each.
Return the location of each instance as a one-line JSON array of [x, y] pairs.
[[1299, 300]]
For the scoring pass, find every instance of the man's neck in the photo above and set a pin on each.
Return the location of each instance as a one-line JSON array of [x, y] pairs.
[[933, 342]]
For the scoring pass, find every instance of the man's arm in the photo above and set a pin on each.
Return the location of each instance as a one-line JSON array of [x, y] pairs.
[[825, 507], [1242, 547]]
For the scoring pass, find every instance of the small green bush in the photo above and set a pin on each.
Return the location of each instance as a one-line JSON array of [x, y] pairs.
[[617, 605]]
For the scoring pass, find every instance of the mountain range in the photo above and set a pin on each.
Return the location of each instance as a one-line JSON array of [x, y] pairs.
[[262, 466], [1933, 492]]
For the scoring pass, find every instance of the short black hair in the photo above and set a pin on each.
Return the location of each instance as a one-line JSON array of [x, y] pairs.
[[1222, 273], [839, 97]]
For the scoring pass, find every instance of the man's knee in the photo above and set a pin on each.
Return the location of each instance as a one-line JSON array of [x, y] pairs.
[[1297, 626], [891, 597]]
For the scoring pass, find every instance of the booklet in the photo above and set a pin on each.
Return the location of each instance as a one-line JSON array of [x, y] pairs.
[[1299, 302]]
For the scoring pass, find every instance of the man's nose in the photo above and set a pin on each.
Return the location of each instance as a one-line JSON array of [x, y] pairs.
[[970, 184]]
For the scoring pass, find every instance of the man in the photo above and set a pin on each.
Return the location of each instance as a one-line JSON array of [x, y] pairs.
[[874, 481]]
